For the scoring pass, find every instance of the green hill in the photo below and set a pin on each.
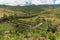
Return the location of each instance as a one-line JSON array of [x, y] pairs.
[[30, 22]]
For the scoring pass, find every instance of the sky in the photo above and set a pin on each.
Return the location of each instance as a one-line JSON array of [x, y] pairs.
[[28, 2]]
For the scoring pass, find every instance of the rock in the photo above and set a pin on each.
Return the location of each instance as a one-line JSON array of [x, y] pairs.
[[7, 32], [28, 36], [41, 38]]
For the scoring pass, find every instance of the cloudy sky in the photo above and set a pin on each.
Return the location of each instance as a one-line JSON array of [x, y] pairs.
[[28, 2]]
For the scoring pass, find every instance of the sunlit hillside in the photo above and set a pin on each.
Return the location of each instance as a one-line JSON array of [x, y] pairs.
[[30, 22]]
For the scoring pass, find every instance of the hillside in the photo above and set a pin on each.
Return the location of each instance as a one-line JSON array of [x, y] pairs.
[[30, 22]]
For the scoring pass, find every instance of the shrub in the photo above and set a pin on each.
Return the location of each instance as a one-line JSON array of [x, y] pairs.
[[52, 37], [21, 28], [38, 20], [4, 18], [51, 28]]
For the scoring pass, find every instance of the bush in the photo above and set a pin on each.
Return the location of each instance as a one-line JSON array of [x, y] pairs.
[[38, 20], [51, 28], [52, 37], [22, 28], [4, 18]]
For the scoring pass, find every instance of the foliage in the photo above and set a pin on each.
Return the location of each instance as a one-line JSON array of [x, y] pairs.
[[51, 28], [52, 37], [20, 24]]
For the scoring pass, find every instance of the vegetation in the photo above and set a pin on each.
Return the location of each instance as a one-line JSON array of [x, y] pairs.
[[30, 22]]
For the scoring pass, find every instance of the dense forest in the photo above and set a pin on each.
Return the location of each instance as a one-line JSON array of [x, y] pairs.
[[32, 22]]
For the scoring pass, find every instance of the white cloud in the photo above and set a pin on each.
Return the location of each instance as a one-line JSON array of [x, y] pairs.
[[23, 2], [57, 2], [37, 2], [1, 1]]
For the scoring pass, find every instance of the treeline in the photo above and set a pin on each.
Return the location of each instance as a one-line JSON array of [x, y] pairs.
[[31, 8]]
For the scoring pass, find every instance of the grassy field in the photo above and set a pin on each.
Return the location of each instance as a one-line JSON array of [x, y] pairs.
[[30, 23]]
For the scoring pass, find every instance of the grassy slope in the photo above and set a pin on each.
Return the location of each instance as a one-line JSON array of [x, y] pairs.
[[50, 14]]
